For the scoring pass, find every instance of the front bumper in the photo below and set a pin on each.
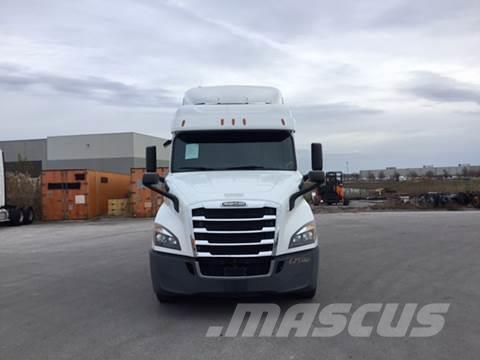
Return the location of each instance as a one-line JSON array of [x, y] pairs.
[[181, 275]]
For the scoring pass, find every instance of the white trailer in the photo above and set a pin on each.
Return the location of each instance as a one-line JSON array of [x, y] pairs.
[[12, 214], [234, 221]]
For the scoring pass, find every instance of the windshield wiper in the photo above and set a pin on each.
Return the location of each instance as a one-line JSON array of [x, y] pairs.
[[246, 167]]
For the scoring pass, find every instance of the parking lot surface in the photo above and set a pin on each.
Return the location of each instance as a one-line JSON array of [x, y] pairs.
[[82, 291]]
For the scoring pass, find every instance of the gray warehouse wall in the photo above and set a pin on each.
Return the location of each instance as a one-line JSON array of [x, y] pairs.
[[116, 153], [140, 142], [115, 165], [103, 152], [96, 146], [33, 152]]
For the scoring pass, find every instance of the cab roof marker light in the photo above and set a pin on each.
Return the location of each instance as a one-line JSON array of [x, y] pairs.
[[183, 123], [222, 122], [283, 122], [233, 122], [244, 121]]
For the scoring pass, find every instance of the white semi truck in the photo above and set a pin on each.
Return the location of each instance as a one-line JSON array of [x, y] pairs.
[[234, 221], [10, 213]]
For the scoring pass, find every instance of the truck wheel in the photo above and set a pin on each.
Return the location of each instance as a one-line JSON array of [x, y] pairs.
[[16, 216], [28, 215], [476, 201]]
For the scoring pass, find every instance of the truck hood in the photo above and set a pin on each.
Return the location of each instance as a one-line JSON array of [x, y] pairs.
[[195, 187]]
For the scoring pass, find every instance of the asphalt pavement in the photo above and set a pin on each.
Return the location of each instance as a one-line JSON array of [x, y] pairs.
[[82, 291]]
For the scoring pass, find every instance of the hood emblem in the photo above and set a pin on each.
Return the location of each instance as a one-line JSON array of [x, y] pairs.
[[234, 203]]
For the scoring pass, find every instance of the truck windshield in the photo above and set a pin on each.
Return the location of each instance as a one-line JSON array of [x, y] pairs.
[[233, 150]]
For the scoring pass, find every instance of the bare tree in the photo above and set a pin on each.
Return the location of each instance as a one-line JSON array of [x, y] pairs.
[[396, 176], [430, 174]]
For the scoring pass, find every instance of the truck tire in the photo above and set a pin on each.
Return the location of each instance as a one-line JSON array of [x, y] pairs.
[[476, 201], [16, 216], [28, 215]]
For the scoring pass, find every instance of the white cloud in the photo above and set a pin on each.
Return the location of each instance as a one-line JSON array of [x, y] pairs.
[[352, 69]]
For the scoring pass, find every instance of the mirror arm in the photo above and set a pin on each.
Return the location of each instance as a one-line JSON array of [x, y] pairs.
[[166, 194], [299, 193]]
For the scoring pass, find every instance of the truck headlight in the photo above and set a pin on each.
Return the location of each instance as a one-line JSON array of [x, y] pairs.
[[307, 234], [164, 238]]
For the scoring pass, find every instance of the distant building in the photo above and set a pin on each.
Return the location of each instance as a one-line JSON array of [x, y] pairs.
[[426, 170], [115, 152]]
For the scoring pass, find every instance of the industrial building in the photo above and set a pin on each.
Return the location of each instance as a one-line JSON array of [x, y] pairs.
[[114, 153], [426, 170]]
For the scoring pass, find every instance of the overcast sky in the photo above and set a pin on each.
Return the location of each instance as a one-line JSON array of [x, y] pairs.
[[379, 83]]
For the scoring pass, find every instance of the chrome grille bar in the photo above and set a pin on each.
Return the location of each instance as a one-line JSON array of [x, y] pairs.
[[245, 232]]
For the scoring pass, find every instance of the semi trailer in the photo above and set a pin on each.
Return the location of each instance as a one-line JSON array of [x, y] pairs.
[[234, 220], [12, 214]]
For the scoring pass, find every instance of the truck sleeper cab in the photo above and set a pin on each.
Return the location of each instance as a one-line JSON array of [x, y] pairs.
[[235, 221]]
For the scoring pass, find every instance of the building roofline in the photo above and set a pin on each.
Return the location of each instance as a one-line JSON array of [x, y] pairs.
[[88, 134], [23, 140], [103, 133]]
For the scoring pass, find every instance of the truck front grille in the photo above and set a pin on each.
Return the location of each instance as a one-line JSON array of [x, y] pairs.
[[234, 232]]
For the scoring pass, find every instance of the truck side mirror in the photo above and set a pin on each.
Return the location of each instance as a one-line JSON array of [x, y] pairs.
[[150, 179], [317, 156], [151, 159]]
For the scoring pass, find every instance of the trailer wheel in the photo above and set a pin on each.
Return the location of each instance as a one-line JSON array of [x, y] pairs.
[[16, 216], [28, 215]]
